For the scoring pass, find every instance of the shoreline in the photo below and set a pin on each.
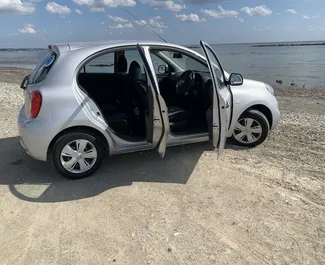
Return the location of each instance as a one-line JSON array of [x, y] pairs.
[[15, 75]]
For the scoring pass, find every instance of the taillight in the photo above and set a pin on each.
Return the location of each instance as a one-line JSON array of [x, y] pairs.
[[36, 102]]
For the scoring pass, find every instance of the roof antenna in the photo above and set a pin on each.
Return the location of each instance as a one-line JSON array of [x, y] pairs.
[[145, 25]]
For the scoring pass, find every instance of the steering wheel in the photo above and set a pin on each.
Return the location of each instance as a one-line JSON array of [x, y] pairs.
[[185, 82]]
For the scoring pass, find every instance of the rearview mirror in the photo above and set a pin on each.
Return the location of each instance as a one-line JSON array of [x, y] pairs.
[[236, 79], [24, 83], [176, 55], [162, 69]]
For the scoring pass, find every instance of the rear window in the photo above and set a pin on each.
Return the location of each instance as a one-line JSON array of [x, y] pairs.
[[40, 72]]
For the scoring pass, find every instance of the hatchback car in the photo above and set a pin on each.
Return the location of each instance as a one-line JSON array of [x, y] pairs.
[[85, 99]]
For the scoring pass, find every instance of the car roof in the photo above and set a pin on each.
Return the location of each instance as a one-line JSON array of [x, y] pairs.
[[70, 46]]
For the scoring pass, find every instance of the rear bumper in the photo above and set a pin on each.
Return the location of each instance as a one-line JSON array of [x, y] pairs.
[[32, 137]]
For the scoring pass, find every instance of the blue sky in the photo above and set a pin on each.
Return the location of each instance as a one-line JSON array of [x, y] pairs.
[[37, 23]]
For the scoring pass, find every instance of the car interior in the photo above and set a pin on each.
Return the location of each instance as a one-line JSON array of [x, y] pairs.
[[121, 92], [188, 94]]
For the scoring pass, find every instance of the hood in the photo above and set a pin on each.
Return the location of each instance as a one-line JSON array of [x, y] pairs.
[[253, 83], [258, 85], [249, 82]]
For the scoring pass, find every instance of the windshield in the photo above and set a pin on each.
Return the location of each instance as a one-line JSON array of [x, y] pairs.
[[185, 62]]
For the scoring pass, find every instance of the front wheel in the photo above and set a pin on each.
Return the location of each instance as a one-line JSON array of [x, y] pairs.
[[252, 128], [76, 155]]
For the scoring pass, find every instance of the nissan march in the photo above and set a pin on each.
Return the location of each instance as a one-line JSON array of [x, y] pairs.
[[85, 99]]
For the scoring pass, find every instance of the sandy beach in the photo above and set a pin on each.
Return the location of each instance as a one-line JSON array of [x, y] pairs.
[[264, 205]]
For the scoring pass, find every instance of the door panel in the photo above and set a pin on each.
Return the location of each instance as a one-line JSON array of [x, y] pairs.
[[160, 117], [226, 94], [222, 102]]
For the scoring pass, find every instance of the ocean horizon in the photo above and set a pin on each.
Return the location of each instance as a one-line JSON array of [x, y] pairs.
[[283, 65], [190, 44]]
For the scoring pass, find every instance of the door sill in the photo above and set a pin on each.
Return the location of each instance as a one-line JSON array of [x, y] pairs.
[[187, 139]]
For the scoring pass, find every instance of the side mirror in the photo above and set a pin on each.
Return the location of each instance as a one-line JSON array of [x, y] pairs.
[[236, 79], [24, 83], [162, 69], [176, 55]]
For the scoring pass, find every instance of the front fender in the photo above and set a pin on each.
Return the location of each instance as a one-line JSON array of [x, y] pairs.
[[245, 99]]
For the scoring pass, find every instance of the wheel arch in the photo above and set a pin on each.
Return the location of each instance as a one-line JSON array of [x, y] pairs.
[[79, 129], [263, 109]]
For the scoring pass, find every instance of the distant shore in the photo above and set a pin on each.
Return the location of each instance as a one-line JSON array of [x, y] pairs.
[[289, 44], [22, 49]]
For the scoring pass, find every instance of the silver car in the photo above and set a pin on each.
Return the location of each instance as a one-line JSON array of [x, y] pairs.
[[85, 99]]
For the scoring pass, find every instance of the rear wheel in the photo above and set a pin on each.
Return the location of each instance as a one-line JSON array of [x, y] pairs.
[[252, 128], [77, 155]]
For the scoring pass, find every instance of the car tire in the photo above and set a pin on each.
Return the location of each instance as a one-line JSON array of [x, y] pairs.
[[81, 162], [252, 128]]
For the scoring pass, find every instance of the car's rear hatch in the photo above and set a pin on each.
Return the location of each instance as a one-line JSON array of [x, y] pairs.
[[33, 82]]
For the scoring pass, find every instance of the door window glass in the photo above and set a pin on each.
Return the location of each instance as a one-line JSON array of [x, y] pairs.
[[105, 63], [134, 55], [156, 61], [101, 64], [215, 65]]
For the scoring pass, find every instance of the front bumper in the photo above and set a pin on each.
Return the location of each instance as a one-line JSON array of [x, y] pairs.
[[276, 115], [276, 119], [32, 137]]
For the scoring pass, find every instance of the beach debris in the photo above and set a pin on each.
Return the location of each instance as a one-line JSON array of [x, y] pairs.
[[176, 234], [279, 81]]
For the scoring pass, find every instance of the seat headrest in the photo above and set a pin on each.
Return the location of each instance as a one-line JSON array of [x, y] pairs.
[[135, 71], [122, 64]]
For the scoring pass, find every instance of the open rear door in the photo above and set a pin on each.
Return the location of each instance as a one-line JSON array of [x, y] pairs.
[[160, 117], [218, 117]]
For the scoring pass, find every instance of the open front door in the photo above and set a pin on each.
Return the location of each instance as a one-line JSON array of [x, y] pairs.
[[160, 113], [218, 119]]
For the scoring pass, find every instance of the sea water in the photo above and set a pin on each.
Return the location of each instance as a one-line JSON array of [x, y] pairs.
[[284, 66]]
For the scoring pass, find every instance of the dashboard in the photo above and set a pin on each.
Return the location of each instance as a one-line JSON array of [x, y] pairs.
[[201, 89]]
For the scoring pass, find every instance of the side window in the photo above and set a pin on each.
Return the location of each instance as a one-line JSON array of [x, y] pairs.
[[101, 64], [106, 63], [134, 55], [217, 71], [157, 62]]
